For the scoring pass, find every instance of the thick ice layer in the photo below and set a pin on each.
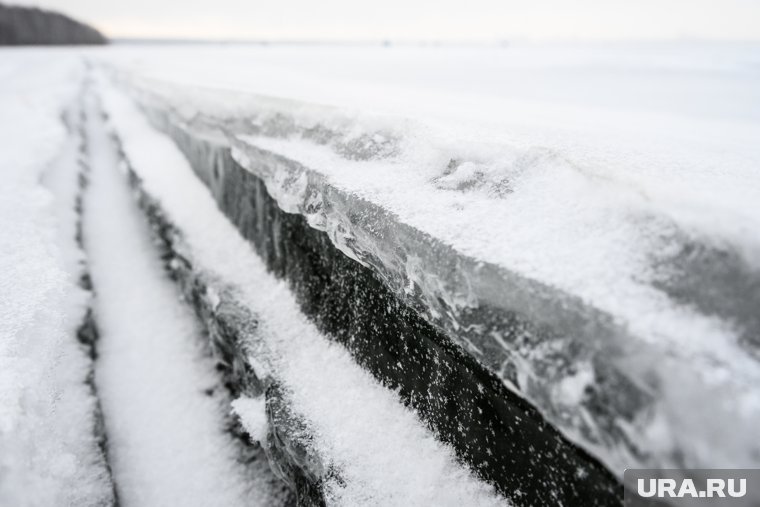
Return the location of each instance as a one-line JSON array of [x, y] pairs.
[[49, 449], [594, 244], [384, 455]]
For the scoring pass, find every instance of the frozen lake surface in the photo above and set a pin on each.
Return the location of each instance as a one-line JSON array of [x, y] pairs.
[[582, 220]]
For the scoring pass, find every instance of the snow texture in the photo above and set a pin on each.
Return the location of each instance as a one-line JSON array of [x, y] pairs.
[[253, 413], [162, 402], [49, 452], [384, 453]]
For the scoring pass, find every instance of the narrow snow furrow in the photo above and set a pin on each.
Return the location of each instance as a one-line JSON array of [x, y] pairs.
[[384, 454], [164, 409], [68, 179]]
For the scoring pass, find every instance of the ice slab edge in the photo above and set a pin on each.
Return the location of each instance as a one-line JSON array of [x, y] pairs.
[[629, 388], [496, 432]]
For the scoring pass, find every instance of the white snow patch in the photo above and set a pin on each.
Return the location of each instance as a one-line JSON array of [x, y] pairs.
[[253, 414], [48, 451]]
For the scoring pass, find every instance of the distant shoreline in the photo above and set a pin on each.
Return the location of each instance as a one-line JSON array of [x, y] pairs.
[[31, 26]]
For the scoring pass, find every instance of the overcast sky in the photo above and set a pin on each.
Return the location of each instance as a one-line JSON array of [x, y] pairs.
[[417, 19]]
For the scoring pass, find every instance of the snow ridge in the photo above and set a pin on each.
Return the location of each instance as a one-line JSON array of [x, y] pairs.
[[162, 401]]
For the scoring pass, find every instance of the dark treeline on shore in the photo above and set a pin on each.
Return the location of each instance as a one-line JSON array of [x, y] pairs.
[[32, 26]]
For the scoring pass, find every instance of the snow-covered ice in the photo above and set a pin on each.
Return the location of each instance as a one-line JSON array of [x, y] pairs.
[[608, 194], [385, 454], [49, 452]]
